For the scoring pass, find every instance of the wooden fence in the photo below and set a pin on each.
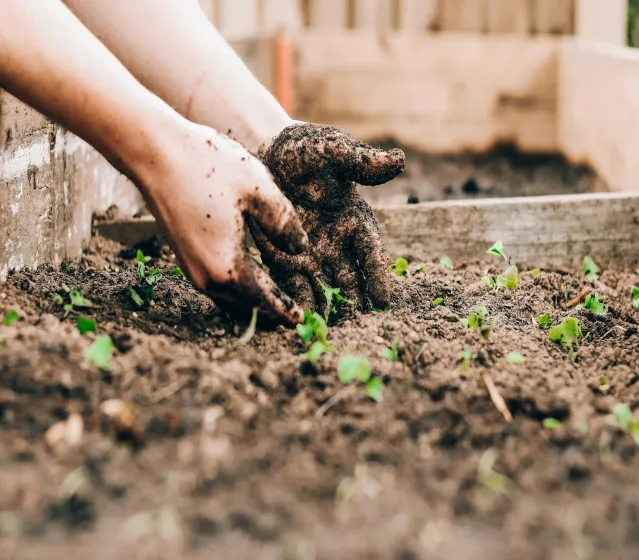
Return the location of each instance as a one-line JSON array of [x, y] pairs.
[[245, 18]]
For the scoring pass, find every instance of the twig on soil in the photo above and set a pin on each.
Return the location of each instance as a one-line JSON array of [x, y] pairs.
[[168, 391], [496, 397], [335, 399], [579, 298]]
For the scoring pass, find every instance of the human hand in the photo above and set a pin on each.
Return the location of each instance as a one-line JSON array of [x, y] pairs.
[[317, 167], [200, 193]]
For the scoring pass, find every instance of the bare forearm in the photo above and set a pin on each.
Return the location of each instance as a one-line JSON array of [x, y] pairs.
[[173, 50], [50, 60]]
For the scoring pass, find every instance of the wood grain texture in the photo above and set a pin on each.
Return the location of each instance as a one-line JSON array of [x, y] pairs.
[[464, 15], [542, 231], [419, 15], [554, 17], [509, 16], [375, 15], [328, 14]]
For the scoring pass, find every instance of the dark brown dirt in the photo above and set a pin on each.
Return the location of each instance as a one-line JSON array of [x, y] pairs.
[[230, 461], [501, 172]]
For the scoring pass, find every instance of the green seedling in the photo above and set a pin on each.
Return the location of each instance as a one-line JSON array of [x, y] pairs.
[[250, 330], [635, 298], [314, 328], [76, 299], [10, 318], [333, 298], [419, 269], [591, 270], [446, 262], [515, 359], [492, 484], [400, 266], [544, 320], [176, 272], [551, 423], [498, 249], [86, 325], [100, 352], [135, 296], [66, 267], [439, 301], [315, 351], [622, 418], [376, 310], [535, 272], [568, 333], [480, 321], [489, 282], [593, 304], [142, 260], [509, 280], [356, 368], [144, 292], [464, 358], [391, 354]]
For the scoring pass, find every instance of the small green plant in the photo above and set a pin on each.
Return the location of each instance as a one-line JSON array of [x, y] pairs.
[[100, 352], [391, 354], [376, 310], [315, 351], [76, 300], [635, 298], [357, 368], [314, 328], [250, 330], [544, 320], [446, 262], [176, 271], [593, 304], [333, 298], [568, 333], [10, 318], [591, 270], [535, 272], [515, 359], [439, 301], [489, 282], [86, 325], [464, 358], [400, 266], [480, 321], [419, 269], [551, 423], [509, 280], [142, 261], [622, 418], [498, 249], [144, 292]]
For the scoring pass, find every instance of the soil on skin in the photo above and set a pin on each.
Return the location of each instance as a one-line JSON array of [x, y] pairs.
[[227, 458], [501, 172]]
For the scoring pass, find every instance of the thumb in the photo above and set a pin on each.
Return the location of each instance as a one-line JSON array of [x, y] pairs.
[[277, 218], [370, 166]]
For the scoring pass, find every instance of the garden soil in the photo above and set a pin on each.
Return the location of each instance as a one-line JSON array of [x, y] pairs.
[[209, 448]]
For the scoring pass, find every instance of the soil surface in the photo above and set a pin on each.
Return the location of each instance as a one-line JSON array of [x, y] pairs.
[[501, 172], [216, 450]]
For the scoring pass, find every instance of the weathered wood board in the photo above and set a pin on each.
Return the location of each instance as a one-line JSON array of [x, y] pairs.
[[544, 231]]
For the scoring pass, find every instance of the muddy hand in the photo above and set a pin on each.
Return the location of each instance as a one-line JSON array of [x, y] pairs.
[[201, 195], [318, 168]]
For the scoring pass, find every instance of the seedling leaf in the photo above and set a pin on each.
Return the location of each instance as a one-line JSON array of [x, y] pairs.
[[439, 301], [510, 279], [177, 272], [591, 270], [305, 332], [250, 331], [77, 300], [535, 272], [419, 269], [58, 299], [515, 359], [66, 288], [498, 249], [376, 310], [400, 266], [99, 353], [315, 351], [354, 368], [593, 304], [86, 325], [567, 333], [135, 296], [551, 423], [11, 317], [391, 354], [333, 298], [489, 282], [544, 320], [635, 298], [141, 258], [446, 262], [464, 358], [375, 389]]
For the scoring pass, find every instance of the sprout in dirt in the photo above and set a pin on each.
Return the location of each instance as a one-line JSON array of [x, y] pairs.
[[76, 299], [593, 304], [100, 353], [400, 266], [356, 368], [568, 333], [419, 269], [142, 260], [551, 423], [515, 359], [591, 270], [176, 272], [376, 310], [544, 320], [439, 301], [446, 262], [489, 282], [480, 321], [509, 280], [144, 292], [463, 359], [391, 354], [333, 299], [11, 317], [250, 331], [498, 249], [86, 325], [535, 272], [315, 351], [314, 328], [635, 298], [622, 418]]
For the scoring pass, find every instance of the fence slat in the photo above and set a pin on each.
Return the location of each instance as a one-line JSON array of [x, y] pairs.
[[464, 15], [280, 15], [328, 14], [418, 15], [555, 17], [373, 14], [238, 18], [509, 16]]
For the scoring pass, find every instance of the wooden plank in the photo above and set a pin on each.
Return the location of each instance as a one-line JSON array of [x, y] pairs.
[[328, 14], [554, 17], [374, 15], [419, 15], [238, 19], [464, 15], [277, 16], [602, 21], [542, 231], [439, 92], [509, 16]]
